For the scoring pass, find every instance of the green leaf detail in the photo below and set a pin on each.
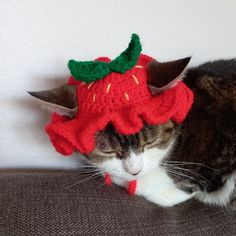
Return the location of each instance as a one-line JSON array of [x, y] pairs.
[[127, 59], [89, 71]]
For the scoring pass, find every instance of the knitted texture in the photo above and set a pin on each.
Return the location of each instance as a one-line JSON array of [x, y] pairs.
[[121, 99], [89, 71]]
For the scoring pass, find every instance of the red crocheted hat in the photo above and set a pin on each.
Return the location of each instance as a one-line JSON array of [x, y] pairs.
[[121, 98]]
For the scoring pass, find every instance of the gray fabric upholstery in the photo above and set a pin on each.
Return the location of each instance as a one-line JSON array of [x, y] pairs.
[[44, 203]]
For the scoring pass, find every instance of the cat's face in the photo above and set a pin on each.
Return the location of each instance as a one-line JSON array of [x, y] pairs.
[[123, 156], [127, 157]]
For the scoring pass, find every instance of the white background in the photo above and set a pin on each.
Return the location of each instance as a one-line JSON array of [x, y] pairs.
[[37, 37]]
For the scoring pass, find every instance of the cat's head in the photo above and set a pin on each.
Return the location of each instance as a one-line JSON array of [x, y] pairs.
[[125, 156]]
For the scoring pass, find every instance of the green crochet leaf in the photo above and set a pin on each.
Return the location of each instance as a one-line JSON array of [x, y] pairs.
[[89, 71], [127, 59]]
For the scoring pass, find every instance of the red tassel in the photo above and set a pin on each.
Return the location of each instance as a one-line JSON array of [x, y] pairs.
[[107, 179], [132, 187]]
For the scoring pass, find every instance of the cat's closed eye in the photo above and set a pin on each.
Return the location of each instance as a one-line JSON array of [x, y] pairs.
[[149, 144], [106, 144], [104, 148], [109, 143]]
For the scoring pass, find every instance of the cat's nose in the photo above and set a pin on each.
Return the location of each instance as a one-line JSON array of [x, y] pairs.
[[133, 170], [136, 173], [133, 164]]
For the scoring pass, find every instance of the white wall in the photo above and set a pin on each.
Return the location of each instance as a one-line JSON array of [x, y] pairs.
[[38, 37]]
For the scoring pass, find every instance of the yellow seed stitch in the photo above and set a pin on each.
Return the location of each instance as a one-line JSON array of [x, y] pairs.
[[126, 96], [90, 85], [108, 87], [135, 79], [94, 97], [139, 66]]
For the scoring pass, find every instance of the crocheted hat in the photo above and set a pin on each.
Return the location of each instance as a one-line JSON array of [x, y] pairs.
[[115, 92]]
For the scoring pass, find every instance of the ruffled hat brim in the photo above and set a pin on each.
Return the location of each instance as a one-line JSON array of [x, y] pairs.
[[78, 134]]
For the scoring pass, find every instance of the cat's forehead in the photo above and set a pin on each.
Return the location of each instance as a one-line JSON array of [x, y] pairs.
[[115, 139]]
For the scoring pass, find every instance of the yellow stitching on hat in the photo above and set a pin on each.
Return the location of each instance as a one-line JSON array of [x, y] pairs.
[[90, 85], [135, 79], [126, 96], [108, 87], [94, 97]]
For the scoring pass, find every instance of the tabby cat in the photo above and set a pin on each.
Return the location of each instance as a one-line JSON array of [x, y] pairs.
[[172, 163]]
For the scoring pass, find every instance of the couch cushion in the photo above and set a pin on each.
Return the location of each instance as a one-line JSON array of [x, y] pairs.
[[65, 203]]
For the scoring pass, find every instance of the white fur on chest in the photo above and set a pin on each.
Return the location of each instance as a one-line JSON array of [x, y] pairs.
[[154, 184], [159, 188]]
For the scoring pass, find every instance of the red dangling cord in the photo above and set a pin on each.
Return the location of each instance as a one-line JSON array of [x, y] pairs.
[[107, 179], [132, 187]]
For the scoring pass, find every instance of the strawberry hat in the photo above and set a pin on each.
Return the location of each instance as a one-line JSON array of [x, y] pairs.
[[115, 92]]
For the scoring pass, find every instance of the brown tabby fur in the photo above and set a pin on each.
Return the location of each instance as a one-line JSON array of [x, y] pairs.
[[204, 155], [205, 149]]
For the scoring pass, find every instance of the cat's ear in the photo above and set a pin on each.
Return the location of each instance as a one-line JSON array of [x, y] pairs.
[[61, 100], [165, 75]]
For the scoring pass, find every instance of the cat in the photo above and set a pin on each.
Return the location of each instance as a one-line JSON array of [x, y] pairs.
[[172, 163]]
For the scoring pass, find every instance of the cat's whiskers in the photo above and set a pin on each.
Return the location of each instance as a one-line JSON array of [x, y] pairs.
[[97, 173], [191, 171], [189, 163], [75, 171], [179, 174], [90, 177]]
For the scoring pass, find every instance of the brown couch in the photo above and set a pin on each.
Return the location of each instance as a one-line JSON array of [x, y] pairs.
[[50, 203]]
